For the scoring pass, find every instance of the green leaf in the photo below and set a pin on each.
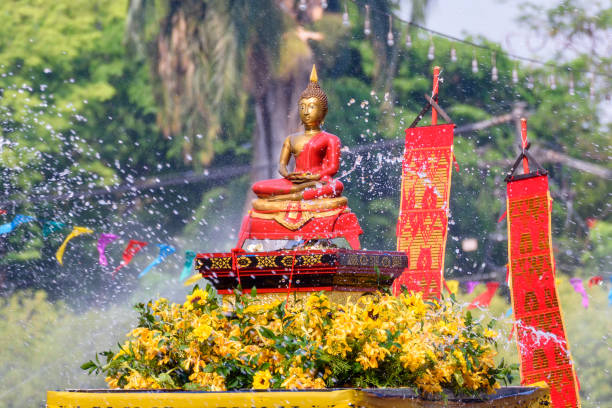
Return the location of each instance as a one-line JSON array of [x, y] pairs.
[[267, 333], [165, 380], [88, 366]]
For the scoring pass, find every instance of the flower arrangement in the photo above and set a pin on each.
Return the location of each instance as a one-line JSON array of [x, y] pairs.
[[376, 341]]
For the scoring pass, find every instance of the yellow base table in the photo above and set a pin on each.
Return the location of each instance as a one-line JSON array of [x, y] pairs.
[[508, 397]]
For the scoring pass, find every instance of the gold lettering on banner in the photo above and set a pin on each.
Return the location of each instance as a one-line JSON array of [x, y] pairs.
[[542, 241], [539, 359], [537, 266], [561, 357], [531, 302], [525, 246], [550, 298], [528, 208]]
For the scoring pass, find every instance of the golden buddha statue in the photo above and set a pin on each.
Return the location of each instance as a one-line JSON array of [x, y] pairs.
[[309, 189]]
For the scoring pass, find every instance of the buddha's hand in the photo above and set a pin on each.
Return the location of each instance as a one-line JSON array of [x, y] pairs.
[[302, 177]]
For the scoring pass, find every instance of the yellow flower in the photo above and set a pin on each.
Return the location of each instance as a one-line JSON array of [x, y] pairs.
[[299, 380], [428, 339], [112, 382], [490, 334], [372, 354], [210, 381], [261, 380], [198, 297], [202, 332], [137, 381], [428, 383], [460, 359], [473, 381]]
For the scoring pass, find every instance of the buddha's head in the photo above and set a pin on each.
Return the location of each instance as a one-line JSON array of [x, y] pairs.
[[313, 102]]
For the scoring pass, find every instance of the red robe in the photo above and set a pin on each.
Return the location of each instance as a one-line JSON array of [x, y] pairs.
[[321, 155]]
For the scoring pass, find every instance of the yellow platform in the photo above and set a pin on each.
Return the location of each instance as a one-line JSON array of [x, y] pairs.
[[509, 397]]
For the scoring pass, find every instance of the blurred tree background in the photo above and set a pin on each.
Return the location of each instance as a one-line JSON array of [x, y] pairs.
[[150, 120]]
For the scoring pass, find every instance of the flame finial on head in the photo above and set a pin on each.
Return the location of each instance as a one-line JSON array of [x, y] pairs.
[[313, 74], [313, 90]]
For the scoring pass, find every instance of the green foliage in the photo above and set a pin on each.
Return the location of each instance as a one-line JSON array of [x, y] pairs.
[[40, 342], [598, 259], [73, 107]]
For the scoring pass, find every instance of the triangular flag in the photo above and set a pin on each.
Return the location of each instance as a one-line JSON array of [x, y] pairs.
[[19, 219], [2, 212], [470, 285], [164, 251], [610, 294], [595, 280], [128, 253], [49, 227], [579, 288], [76, 231], [453, 286], [193, 279], [484, 299], [189, 257], [103, 241]]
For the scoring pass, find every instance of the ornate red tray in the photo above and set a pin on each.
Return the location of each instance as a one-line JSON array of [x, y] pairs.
[[302, 270]]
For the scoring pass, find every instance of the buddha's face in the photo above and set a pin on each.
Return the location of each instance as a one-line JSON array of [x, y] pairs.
[[311, 111]]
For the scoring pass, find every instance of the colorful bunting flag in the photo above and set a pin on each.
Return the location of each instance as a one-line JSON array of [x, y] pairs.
[[610, 293], [470, 286], [75, 233], [595, 280], [579, 288], [452, 286], [2, 212], [164, 251], [103, 241], [132, 249], [484, 299], [18, 220], [193, 279], [189, 257], [49, 227]]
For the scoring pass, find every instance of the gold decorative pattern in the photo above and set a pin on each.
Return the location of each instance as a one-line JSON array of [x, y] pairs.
[[266, 261], [314, 205], [287, 261], [311, 260], [243, 261], [294, 220], [221, 263]]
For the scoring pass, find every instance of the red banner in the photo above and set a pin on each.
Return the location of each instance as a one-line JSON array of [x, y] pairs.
[[423, 218], [543, 347]]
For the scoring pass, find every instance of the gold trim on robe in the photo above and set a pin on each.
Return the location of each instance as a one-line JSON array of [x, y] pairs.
[[294, 214]]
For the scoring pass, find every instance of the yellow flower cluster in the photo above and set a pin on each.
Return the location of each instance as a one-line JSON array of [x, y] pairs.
[[375, 341]]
